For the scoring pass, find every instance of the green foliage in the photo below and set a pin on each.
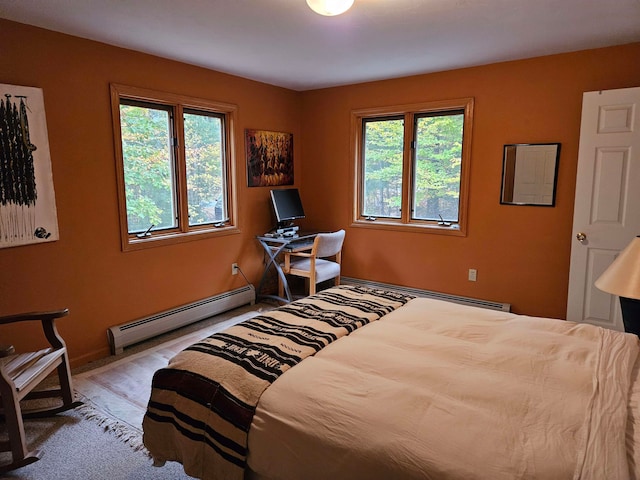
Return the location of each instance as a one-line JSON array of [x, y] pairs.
[[148, 167], [383, 145], [205, 168], [438, 161], [150, 170], [436, 173]]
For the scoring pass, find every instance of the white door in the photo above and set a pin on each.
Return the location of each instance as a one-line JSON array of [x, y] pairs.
[[607, 203]]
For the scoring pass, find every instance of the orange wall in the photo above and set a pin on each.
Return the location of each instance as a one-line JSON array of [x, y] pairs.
[[86, 270], [521, 253]]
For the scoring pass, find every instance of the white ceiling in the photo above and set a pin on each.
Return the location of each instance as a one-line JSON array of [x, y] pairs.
[[282, 42]]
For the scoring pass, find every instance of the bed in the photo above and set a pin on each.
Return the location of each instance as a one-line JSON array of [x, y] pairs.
[[360, 383]]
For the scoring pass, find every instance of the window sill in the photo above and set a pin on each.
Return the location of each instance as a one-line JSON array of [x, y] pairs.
[[430, 228], [159, 240]]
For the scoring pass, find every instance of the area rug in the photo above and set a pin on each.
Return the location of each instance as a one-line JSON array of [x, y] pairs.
[[116, 393], [74, 448]]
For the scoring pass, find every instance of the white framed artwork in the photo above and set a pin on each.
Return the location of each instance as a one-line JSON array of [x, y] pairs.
[[27, 198]]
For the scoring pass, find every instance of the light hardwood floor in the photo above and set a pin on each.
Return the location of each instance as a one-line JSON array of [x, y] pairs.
[[119, 387]]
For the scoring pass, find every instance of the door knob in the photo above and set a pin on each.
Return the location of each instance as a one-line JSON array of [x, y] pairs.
[[581, 237]]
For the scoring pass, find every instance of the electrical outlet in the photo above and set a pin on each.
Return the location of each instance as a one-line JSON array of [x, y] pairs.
[[234, 269], [473, 275]]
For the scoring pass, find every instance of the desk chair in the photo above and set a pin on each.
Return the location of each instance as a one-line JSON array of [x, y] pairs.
[[314, 265], [20, 374]]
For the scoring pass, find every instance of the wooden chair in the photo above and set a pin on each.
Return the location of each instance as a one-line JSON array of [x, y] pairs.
[[20, 374], [314, 265]]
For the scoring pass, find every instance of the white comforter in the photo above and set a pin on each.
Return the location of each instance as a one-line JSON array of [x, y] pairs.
[[442, 391]]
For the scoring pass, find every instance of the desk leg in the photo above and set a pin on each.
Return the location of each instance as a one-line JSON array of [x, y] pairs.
[[273, 254]]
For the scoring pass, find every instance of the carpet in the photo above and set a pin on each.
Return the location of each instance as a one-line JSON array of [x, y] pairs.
[[77, 449], [103, 438]]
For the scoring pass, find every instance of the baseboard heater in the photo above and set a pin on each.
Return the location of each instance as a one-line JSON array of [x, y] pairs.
[[136, 331], [474, 302]]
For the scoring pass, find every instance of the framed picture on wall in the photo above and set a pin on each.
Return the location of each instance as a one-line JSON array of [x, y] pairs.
[[27, 199], [269, 158]]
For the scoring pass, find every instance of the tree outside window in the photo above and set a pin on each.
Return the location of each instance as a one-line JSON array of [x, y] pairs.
[[438, 158], [174, 166], [148, 168], [411, 166]]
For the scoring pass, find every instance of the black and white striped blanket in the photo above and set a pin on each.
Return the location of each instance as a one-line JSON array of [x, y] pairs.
[[202, 403]]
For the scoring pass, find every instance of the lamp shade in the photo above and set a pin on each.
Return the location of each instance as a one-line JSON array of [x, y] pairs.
[[622, 278], [330, 7]]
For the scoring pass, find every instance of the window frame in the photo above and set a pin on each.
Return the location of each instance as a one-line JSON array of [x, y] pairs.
[[178, 105], [409, 112]]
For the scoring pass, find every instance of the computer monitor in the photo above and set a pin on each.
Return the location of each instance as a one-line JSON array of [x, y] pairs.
[[287, 205]]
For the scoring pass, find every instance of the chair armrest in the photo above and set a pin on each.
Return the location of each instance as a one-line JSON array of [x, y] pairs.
[[300, 254], [299, 248], [48, 323], [6, 350], [287, 259], [22, 317]]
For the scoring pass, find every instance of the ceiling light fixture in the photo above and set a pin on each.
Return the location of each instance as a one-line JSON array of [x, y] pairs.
[[330, 8]]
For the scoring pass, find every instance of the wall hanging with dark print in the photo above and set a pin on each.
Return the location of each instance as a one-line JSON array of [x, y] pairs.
[[269, 158], [27, 199]]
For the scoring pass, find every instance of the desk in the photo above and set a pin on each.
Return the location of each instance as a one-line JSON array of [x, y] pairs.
[[273, 246]]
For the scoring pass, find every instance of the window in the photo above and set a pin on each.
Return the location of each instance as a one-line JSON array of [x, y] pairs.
[[175, 171], [411, 166]]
